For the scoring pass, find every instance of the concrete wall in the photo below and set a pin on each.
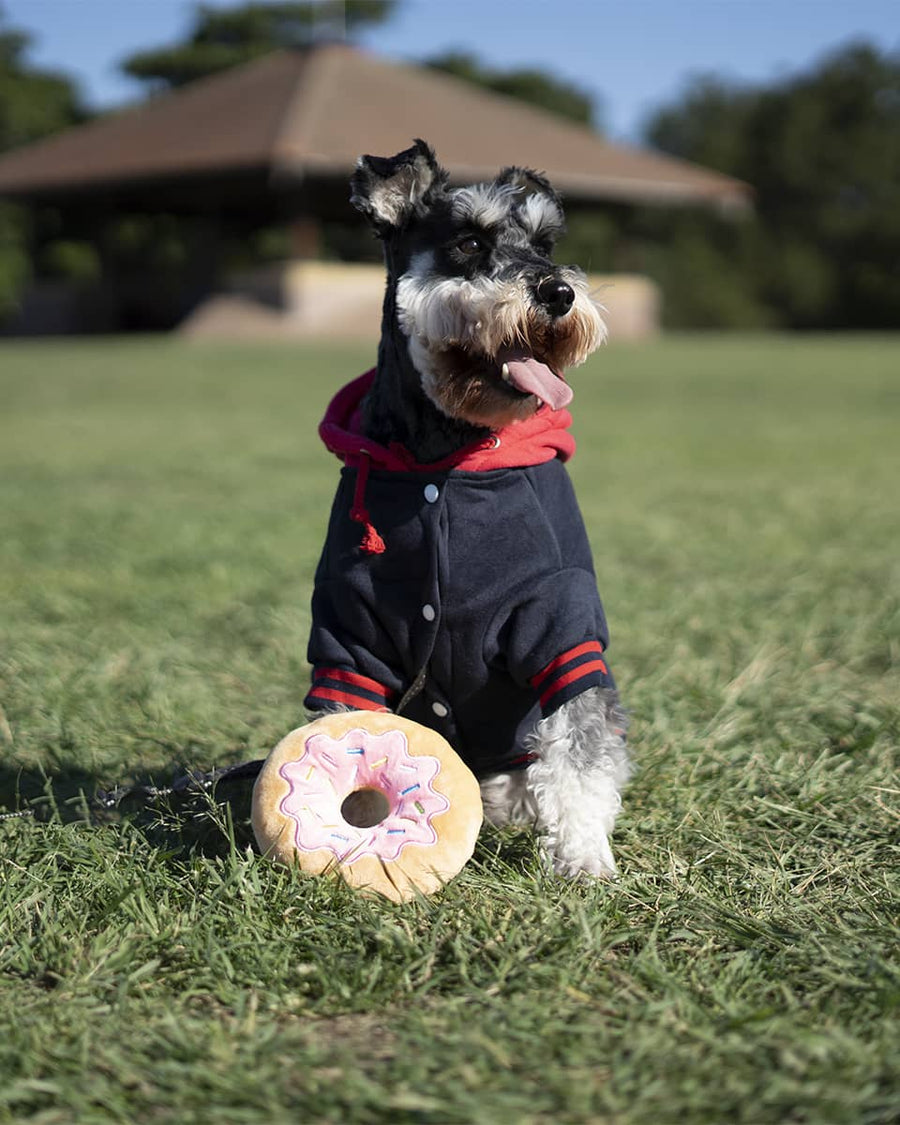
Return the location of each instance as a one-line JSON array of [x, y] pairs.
[[335, 300]]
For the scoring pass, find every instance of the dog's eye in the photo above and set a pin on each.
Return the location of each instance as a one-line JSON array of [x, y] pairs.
[[470, 246]]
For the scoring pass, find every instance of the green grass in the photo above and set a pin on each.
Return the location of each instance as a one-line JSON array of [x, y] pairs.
[[161, 508]]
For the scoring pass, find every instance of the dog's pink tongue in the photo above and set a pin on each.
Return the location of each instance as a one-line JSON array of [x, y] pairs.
[[532, 377]]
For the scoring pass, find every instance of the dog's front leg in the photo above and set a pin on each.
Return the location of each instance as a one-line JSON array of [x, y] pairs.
[[576, 781]]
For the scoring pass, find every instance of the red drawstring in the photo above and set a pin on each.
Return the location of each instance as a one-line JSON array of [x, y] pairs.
[[372, 543]]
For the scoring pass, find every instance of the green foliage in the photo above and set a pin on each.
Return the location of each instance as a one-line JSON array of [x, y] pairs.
[[33, 104], [538, 87], [14, 266], [706, 267], [822, 151], [708, 124], [161, 509], [223, 38], [590, 240], [71, 260]]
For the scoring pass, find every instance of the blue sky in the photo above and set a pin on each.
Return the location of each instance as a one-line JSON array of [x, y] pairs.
[[630, 55]]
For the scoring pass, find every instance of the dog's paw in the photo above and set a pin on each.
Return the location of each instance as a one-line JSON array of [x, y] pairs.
[[569, 864]]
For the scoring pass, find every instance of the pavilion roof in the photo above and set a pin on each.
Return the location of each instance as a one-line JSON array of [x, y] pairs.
[[308, 114]]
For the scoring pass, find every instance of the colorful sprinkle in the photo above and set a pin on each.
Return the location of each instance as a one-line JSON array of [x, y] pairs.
[[333, 768]]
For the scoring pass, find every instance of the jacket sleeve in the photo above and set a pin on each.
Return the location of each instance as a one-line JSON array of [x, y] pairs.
[[349, 670], [555, 635], [354, 661], [555, 639]]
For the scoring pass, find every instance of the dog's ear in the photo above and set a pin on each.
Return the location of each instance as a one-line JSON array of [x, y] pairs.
[[389, 189], [527, 180], [539, 207]]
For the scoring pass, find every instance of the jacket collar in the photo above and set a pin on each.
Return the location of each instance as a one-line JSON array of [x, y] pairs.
[[542, 437]]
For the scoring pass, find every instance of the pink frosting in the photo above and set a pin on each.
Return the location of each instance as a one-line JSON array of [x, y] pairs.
[[331, 768]]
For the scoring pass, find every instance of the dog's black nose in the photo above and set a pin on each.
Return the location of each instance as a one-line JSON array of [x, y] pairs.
[[556, 296]]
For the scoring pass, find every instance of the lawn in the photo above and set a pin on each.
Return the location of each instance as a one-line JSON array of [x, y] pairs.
[[161, 509]]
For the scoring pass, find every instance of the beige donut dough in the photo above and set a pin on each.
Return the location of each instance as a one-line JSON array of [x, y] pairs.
[[384, 802]]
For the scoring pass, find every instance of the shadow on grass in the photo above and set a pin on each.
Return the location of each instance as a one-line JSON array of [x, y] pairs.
[[205, 813], [32, 792], [197, 813], [513, 848]]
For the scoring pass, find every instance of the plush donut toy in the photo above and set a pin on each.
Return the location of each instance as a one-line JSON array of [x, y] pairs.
[[382, 801]]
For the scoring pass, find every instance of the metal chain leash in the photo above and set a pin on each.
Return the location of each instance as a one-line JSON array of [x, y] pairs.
[[187, 787], [20, 815]]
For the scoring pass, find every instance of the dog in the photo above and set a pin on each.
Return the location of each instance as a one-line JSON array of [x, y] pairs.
[[456, 584]]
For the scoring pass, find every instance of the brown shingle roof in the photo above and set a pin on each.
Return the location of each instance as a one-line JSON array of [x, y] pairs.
[[311, 113]]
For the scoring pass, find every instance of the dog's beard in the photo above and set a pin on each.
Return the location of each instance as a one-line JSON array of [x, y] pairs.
[[461, 333]]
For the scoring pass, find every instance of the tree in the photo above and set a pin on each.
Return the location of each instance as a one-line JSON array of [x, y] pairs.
[[223, 38], [33, 103], [708, 125], [822, 150], [528, 85]]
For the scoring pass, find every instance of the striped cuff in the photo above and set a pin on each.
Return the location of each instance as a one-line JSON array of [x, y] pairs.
[[337, 685], [569, 674]]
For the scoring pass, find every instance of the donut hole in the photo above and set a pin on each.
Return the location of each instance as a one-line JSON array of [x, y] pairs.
[[364, 808]]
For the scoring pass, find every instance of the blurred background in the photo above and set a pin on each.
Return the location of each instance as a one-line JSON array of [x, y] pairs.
[[171, 166], [172, 171]]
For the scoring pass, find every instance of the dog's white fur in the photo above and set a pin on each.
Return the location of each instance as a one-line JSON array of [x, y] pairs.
[[571, 794], [485, 314]]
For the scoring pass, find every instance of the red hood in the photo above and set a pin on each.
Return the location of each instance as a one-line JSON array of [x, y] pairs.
[[540, 438]]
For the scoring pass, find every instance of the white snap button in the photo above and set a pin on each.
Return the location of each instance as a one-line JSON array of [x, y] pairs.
[[432, 492], [439, 709], [428, 612]]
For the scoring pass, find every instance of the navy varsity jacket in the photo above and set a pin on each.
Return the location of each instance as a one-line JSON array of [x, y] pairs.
[[461, 593]]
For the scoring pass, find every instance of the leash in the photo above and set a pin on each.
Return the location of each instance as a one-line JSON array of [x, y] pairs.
[[20, 815], [192, 785], [189, 785], [413, 690], [185, 788]]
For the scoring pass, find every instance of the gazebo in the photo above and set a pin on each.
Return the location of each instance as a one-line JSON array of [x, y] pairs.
[[276, 140]]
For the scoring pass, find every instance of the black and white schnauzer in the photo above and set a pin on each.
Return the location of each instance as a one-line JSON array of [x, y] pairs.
[[456, 584]]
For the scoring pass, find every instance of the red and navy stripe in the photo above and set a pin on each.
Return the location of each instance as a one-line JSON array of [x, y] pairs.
[[338, 685], [569, 674]]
